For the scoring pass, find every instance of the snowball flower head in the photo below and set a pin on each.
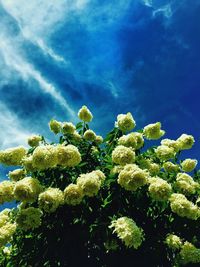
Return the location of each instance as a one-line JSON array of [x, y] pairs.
[[189, 253], [189, 165], [27, 189], [6, 233], [29, 218], [55, 126], [4, 217], [159, 189], [164, 152], [123, 155], [73, 194], [16, 175], [51, 199], [89, 135], [186, 184], [28, 163], [34, 140], [170, 167], [90, 183], [98, 139], [125, 122], [129, 233], [183, 207], [173, 241], [68, 156], [132, 177], [153, 131], [84, 114], [6, 191], [68, 127], [12, 156], [134, 140], [45, 157], [185, 141], [171, 143]]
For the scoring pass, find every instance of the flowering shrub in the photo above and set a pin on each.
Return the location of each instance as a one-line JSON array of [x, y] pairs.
[[89, 201]]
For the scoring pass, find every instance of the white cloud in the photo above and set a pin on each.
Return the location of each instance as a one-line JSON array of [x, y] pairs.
[[12, 132], [14, 59]]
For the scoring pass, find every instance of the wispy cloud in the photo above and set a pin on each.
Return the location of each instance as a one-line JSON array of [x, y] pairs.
[[12, 131], [14, 59]]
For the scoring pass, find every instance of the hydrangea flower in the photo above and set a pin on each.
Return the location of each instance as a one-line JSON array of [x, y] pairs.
[[55, 126], [125, 122], [73, 194], [45, 157], [16, 175], [12, 156], [51, 199], [132, 177], [123, 155], [6, 191], [164, 152], [68, 156], [189, 253], [183, 207], [90, 183], [159, 189], [129, 233], [68, 127], [84, 114], [173, 241], [89, 135], [189, 165], [34, 140], [185, 141], [186, 184], [153, 131], [27, 189], [29, 218]]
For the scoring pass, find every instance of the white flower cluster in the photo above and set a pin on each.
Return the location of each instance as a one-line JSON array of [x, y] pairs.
[[125, 122], [123, 155], [132, 177], [127, 230], [159, 189], [183, 207]]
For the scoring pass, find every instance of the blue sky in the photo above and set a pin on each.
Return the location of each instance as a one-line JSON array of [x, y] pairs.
[[115, 56]]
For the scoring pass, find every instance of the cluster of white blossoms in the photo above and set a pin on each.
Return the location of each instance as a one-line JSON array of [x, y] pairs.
[[152, 167], [91, 182], [125, 122], [17, 174], [189, 165], [159, 189], [29, 218], [132, 177], [134, 140], [7, 229], [189, 253], [27, 189], [123, 155], [173, 241], [164, 152], [153, 131], [51, 199], [6, 191], [183, 207], [84, 114], [12, 156], [170, 167], [127, 230], [34, 140], [185, 184]]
